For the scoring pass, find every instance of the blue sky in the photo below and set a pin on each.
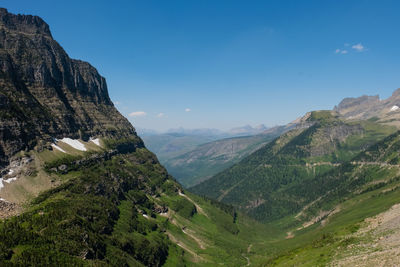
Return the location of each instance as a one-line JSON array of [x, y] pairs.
[[221, 64]]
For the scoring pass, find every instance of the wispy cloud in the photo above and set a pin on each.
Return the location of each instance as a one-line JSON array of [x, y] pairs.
[[137, 114], [358, 47], [160, 115], [341, 51], [187, 110]]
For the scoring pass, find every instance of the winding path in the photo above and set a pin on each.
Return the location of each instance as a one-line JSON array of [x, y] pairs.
[[247, 258]]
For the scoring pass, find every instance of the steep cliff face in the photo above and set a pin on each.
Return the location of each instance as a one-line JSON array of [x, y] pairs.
[[362, 106], [44, 94]]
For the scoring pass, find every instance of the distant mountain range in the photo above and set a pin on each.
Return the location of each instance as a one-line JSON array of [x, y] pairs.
[[248, 130], [237, 131], [194, 155], [207, 159]]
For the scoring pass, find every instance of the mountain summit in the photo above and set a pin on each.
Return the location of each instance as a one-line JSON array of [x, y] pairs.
[[366, 107], [44, 94]]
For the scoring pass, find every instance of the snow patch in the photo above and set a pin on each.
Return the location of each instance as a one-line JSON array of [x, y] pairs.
[[9, 180], [10, 172], [75, 143], [145, 215], [394, 108], [96, 141], [58, 148]]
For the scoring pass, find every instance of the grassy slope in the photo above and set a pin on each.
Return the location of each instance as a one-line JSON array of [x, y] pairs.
[[318, 245], [329, 238], [33, 179], [213, 238]]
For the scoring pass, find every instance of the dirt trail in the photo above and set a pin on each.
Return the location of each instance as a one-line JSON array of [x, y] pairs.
[[199, 242], [247, 258], [289, 235], [198, 208], [196, 257], [381, 164]]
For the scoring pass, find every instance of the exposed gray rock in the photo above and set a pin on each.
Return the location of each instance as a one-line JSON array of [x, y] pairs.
[[44, 94]]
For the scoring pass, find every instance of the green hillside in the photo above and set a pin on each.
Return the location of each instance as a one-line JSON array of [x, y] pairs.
[[353, 229], [269, 183], [127, 210], [327, 216], [123, 210]]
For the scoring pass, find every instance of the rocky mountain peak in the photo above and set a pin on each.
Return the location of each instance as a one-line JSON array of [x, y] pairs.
[[356, 101], [395, 94], [366, 107], [45, 94], [23, 23]]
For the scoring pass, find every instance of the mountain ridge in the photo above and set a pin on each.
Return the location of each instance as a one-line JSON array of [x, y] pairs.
[[367, 107]]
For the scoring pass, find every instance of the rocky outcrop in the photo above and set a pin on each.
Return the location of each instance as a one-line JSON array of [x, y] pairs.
[[24, 23], [351, 102], [386, 111], [327, 139], [7, 209], [44, 94]]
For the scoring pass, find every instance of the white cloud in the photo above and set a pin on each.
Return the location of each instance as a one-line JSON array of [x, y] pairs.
[[160, 115], [187, 110], [340, 51], [358, 47], [137, 114]]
